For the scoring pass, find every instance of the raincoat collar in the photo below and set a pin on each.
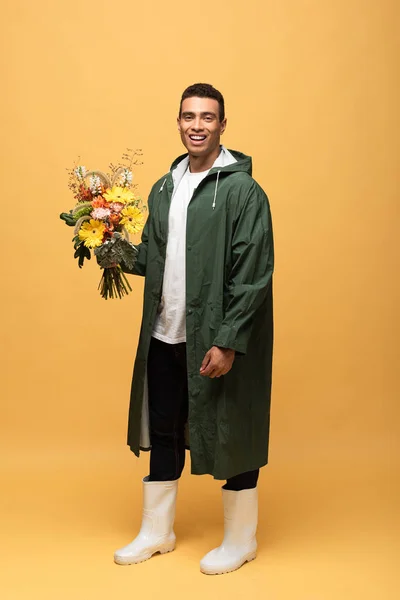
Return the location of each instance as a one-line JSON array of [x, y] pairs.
[[228, 161], [180, 165]]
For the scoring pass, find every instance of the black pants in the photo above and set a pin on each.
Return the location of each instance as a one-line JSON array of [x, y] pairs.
[[168, 407]]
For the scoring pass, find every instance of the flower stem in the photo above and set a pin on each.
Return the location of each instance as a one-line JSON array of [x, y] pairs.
[[114, 283]]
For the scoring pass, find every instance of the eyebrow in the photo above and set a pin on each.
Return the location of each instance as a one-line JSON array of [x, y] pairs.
[[203, 114]]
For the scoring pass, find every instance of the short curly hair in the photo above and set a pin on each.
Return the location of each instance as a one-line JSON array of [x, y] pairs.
[[204, 90]]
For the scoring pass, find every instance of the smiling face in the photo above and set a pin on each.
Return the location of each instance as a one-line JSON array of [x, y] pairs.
[[200, 127]]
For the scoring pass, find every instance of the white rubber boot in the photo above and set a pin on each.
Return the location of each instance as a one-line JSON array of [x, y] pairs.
[[240, 525], [156, 533]]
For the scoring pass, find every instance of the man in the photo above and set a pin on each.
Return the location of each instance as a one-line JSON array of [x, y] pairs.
[[202, 375]]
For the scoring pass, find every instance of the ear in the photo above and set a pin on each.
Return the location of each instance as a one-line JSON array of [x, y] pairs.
[[178, 121], [223, 125]]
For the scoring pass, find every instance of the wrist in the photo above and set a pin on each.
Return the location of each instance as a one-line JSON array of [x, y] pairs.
[[226, 350]]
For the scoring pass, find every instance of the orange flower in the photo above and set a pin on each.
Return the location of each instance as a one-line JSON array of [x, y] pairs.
[[114, 219], [99, 202], [108, 233], [85, 193]]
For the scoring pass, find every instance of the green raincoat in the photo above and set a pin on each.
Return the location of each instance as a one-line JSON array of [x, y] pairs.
[[229, 266]]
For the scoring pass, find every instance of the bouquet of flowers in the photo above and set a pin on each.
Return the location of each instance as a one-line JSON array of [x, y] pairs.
[[106, 211]]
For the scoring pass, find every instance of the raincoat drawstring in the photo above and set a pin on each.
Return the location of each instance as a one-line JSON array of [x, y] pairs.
[[216, 188], [215, 192]]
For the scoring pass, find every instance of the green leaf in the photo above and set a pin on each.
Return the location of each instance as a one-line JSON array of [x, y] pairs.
[[68, 218], [81, 253]]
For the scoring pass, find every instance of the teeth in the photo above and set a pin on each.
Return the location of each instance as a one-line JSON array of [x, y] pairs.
[[197, 137]]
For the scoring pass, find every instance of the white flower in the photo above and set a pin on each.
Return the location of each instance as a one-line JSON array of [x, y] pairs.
[[100, 213], [125, 178], [80, 172], [128, 177], [95, 184]]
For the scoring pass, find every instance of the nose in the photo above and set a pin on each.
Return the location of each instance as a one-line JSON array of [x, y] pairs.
[[196, 125]]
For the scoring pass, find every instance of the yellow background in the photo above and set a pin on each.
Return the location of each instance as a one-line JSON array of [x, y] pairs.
[[311, 89]]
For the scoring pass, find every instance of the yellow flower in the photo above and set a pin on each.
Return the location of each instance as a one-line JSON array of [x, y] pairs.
[[92, 232], [132, 218], [119, 194]]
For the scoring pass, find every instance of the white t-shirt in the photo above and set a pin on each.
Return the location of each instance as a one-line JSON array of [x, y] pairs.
[[170, 325]]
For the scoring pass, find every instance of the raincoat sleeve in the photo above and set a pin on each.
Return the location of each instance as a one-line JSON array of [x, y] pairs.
[[139, 267], [252, 260]]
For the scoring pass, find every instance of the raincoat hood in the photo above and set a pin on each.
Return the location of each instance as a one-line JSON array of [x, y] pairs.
[[228, 161]]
